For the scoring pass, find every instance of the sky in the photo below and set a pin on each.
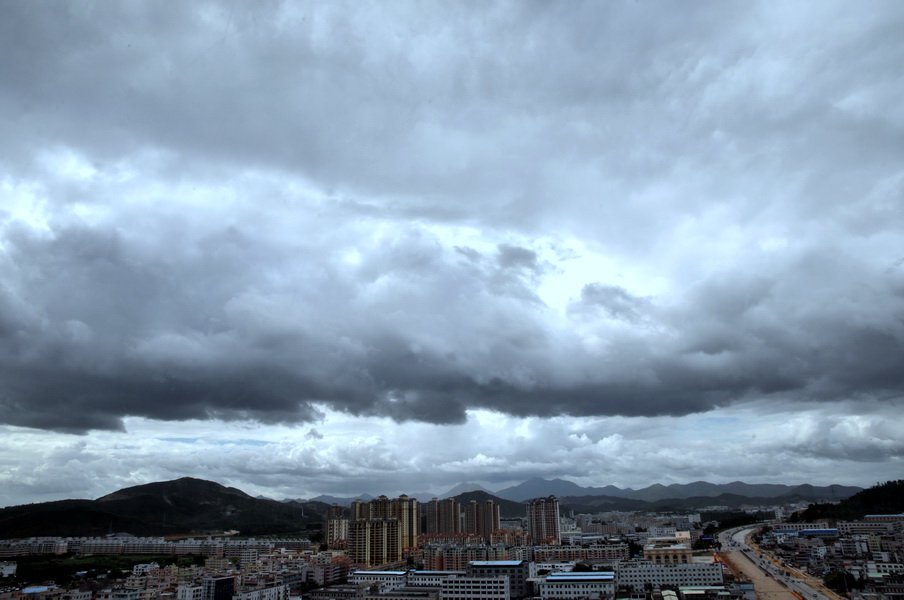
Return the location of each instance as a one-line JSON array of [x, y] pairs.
[[384, 247]]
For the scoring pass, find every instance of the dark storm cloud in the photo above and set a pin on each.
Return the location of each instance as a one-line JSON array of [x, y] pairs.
[[244, 213], [95, 330], [383, 97]]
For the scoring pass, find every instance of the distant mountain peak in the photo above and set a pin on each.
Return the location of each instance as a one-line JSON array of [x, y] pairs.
[[183, 486], [537, 487], [464, 487]]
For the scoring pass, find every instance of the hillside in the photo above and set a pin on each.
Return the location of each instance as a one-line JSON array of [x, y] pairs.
[[184, 505], [69, 518], [507, 508], [883, 498]]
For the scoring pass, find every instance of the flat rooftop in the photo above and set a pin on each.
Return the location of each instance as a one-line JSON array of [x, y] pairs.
[[594, 576]]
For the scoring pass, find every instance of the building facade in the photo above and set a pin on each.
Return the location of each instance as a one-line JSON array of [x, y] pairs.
[[543, 520], [577, 586], [481, 518], [380, 530], [374, 542], [639, 573], [443, 516], [463, 587]]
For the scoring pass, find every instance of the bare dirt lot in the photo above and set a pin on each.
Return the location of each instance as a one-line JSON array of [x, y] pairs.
[[766, 588]]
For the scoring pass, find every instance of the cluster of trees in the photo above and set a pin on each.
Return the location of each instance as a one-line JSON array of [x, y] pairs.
[[64, 569], [882, 498], [842, 582]]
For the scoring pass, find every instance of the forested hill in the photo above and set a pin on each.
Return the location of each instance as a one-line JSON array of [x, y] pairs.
[[184, 505], [881, 499]]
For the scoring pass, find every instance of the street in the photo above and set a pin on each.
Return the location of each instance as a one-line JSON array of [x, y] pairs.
[[770, 580]]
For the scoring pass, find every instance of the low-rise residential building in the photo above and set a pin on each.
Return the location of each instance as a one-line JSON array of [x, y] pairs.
[[577, 586], [384, 581], [518, 573], [190, 592], [430, 578], [447, 557], [276, 592], [639, 573], [670, 550], [465, 587], [339, 592], [579, 553], [407, 593]]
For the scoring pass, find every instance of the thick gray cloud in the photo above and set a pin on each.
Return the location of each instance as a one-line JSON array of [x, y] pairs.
[[95, 329], [224, 212]]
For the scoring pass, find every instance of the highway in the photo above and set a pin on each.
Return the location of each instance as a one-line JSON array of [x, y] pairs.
[[765, 574]]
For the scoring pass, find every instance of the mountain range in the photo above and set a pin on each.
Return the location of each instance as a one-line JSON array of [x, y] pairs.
[[537, 487], [195, 506]]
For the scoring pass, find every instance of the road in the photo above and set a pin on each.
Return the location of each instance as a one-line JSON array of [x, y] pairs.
[[770, 580]]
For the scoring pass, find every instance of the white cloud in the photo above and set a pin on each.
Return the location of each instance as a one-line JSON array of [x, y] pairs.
[[353, 455], [566, 223]]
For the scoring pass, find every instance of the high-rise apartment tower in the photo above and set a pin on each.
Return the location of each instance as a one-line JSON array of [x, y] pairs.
[[380, 529], [443, 516], [543, 520], [481, 518]]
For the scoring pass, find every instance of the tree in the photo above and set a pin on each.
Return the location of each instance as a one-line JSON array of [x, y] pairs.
[[841, 582], [316, 537]]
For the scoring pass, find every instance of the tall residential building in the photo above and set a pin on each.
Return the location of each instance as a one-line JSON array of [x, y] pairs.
[[381, 508], [382, 528], [481, 518], [543, 520], [374, 542], [360, 511], [336, 529], [408, 512], [443, 516], [403, 509], [334, 511]]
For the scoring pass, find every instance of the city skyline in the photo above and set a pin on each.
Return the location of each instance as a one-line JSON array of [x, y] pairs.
[[309, 248]]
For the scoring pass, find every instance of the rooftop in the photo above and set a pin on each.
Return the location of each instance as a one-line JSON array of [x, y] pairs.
[[594, 576]]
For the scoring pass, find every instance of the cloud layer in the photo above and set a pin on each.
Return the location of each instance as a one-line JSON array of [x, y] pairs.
[[271, 213], [134, 313], [352, 456]]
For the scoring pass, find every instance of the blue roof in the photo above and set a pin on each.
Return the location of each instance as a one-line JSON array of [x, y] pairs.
[[496, 563], [812, 531], [604, 575]]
